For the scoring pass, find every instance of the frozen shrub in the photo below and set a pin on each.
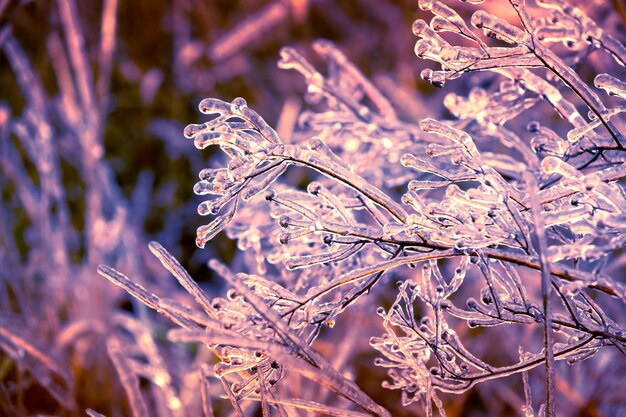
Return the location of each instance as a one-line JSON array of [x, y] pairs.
[[498, 224]]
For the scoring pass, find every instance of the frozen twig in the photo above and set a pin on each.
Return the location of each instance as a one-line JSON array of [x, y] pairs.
[[546, 285]]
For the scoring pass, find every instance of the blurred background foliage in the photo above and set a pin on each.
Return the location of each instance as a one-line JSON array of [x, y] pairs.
[[165, 63]]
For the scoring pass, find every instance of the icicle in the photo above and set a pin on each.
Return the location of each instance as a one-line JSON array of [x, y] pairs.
[[207, 232], [552, 164], [291, 59], [322, 258], [499, 29], [436, 78], [566, 216], [411, 161], [610, 84], [213, 106]]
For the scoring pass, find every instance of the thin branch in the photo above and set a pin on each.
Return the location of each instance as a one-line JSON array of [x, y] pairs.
[[546, 279]]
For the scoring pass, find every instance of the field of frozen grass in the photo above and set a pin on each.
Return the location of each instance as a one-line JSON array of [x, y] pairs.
[[311, 207]]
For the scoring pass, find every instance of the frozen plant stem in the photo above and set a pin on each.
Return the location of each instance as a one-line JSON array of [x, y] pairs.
[[546, 285]]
